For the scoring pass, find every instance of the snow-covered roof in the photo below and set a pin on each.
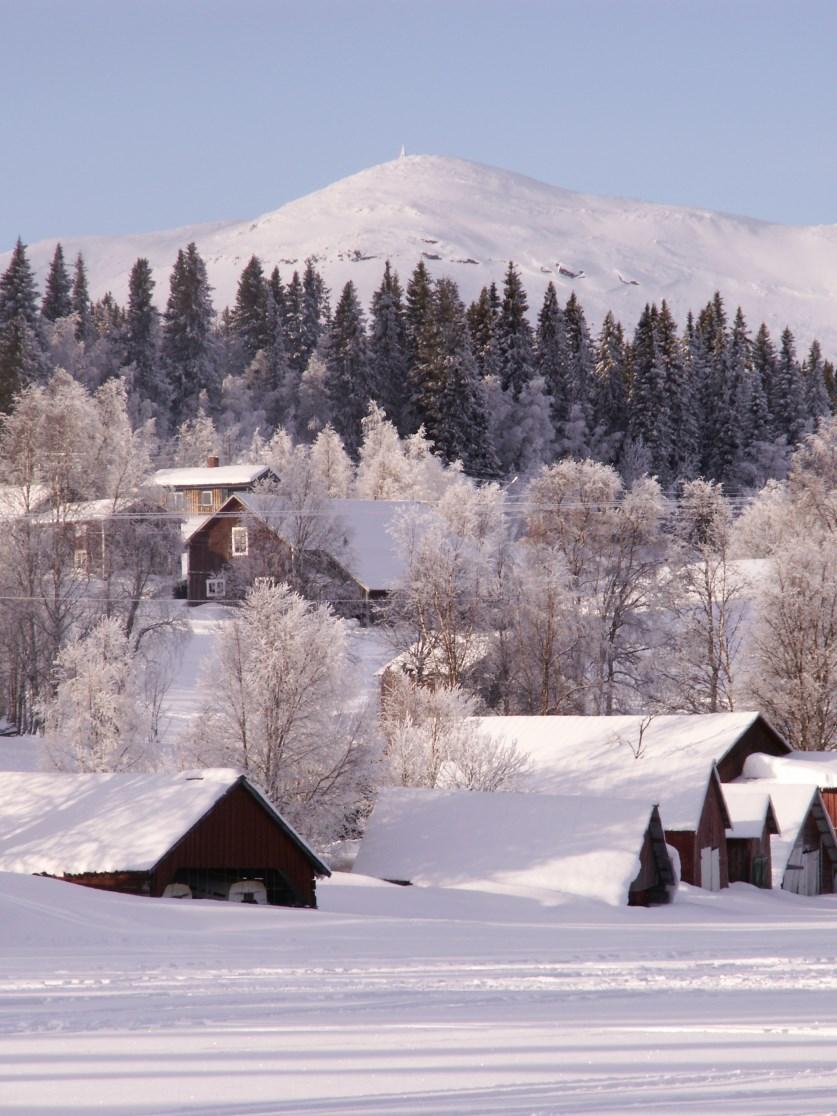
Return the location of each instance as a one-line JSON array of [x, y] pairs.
[[70, 824], [671, 764], [365, 543], [14, 499], [431, 661], [221, 476], [813, 768], [748, 805], [371, 554], [500, 841]]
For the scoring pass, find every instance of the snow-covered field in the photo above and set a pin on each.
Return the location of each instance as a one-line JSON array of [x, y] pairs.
[[396, 1001]]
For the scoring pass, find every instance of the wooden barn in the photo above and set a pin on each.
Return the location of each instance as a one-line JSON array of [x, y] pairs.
[[355, 561], [676, 760], [748, 841], [200, 834], [613, 850]]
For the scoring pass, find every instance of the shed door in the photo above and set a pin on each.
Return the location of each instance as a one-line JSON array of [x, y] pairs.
[[710, 869], [812, 872], [802, 875]]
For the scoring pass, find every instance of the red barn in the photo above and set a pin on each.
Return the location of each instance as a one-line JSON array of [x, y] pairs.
[[200, 834]]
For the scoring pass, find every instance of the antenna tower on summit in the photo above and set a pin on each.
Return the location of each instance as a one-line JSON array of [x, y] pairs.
[[403, 152]]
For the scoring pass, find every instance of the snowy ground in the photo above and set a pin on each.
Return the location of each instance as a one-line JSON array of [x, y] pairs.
[[396, 1001]]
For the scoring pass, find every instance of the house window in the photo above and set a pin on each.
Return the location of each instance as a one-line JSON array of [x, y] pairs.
[[216, 587], [80, 561], [239, 541], [177, 501], [264, 582], [205, 500]]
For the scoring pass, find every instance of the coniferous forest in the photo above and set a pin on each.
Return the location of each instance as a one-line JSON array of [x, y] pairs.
[[501, 386]]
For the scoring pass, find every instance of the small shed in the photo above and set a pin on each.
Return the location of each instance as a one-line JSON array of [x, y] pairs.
[[804, 853], [613, 850], [201, 834], [748, 841]]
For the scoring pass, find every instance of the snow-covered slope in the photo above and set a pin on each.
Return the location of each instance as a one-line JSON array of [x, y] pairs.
[[468, 220]]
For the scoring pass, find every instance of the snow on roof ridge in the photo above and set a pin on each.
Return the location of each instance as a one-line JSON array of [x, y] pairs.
[[601, 755]]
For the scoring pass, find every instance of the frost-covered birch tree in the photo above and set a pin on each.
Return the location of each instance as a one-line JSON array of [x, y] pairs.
[[273, 698], [98, 718]]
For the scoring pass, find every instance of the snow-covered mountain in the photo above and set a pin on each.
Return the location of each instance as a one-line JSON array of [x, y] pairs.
[[467, 221]]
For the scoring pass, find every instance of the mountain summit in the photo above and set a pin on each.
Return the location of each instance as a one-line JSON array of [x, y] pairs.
[[467, 221]]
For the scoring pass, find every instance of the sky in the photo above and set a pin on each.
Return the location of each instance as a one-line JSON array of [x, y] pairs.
[[126, 116]]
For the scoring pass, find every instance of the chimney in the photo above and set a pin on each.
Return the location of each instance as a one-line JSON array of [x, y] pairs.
[[212, 462]]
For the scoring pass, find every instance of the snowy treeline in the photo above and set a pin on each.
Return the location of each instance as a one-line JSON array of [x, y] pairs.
[[499, 386]]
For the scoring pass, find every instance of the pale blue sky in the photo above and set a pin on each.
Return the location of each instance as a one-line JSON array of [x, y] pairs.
[[132, 115]]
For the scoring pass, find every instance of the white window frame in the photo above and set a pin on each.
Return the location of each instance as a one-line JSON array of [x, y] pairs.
[[264, 582], [81, 560], [237, 536], [216, 588], [205, 504], [177, 501]]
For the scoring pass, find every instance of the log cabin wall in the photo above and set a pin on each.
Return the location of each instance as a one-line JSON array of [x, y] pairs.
[[239, 833]]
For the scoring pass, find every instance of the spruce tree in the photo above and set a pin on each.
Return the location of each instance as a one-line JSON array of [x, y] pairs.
[[450, 401], [249, 317], [57, 302], [80, 300], [482, 317], [418, 301], [142, 338], [610, 386], [815, 393], [514, 335], [187, 343], [316, 312], [649, 413], [552, 357], [580, 374], [22, 356], [293, 326], [787, 403], [765, 366], [388, 349], [347, 369], [678, 418]]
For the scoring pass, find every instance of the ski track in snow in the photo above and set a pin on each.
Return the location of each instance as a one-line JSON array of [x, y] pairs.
[[393, 1001]]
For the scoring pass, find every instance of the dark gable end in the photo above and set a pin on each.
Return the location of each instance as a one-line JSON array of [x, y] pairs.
[[759, 736], [243, 834]]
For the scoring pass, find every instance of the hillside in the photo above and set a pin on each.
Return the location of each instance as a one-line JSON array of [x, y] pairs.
[[468, 220]]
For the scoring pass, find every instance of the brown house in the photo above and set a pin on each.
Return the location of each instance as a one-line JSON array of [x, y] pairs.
[[201, 834], [748, 841], [348, 553]]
